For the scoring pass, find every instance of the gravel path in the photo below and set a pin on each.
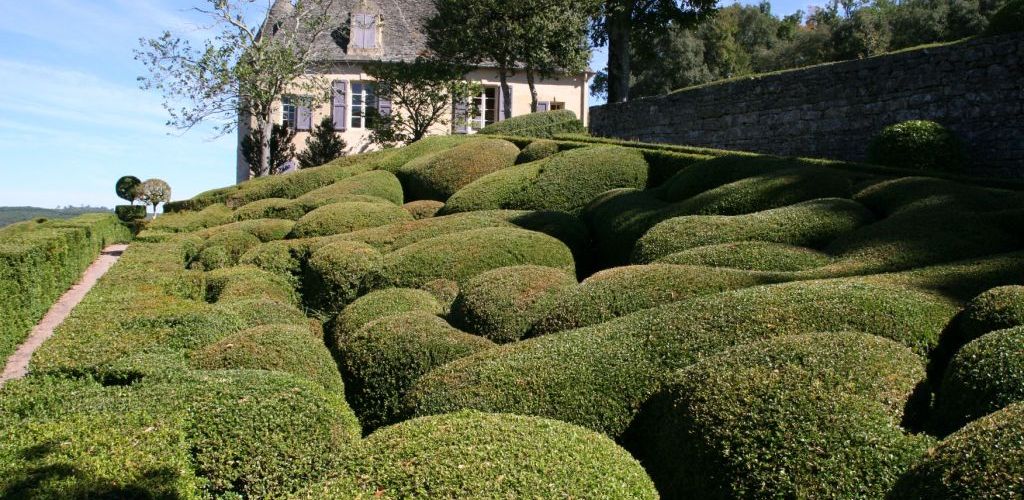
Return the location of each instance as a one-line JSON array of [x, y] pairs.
[[17, 364]]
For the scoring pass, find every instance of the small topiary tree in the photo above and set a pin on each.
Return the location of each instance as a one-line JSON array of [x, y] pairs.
[[917, 144], [322, 146], [153, 192], [127, 188]]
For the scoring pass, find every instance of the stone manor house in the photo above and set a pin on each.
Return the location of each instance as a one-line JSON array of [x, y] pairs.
[[391, 30]]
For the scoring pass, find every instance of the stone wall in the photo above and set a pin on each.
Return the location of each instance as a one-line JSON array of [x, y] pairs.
[[976, 88]]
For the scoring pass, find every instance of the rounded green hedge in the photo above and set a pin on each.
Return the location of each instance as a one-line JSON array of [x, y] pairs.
[[806, 415], [223, 249], [377, 183], [338, 273], [1008, 19], [985, 459], [919, 145], [460, 256], [618, 218], [264, 311], [537, 150], [767, 191], [480, 455], [891, 196], [752, 256], [438, 176], [985, 375], [270, 208], [502, 304], [264, 229], [247, 283], [811, 224], [542, 124], [623, 290], [709, 174], [394, 236], [385, 357], [423, 209], [383, 303], [282, 257], [565, 182], [284, 348], [995, 309], [344, 217]]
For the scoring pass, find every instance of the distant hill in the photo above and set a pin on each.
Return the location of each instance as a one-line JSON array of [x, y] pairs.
[[10, 215]]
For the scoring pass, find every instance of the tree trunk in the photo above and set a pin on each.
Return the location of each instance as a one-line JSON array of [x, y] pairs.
[[620, 24], [506, 93], [533, 90], [266, 131]]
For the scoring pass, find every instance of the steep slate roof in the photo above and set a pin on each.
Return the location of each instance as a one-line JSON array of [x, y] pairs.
[[401, 22]]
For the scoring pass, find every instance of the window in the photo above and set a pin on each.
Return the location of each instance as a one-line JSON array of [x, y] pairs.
[[364, 104], [487, 108], [289, 115], [363, 31], [556, 106]]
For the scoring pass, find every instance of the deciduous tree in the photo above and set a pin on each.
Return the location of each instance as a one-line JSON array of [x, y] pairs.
[[154, 192]]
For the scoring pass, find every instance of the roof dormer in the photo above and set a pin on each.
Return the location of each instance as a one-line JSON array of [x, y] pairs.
[[365, 33]]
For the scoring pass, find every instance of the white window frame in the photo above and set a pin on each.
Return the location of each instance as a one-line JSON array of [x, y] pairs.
[[479, 120], [367, 95], [289, 112]]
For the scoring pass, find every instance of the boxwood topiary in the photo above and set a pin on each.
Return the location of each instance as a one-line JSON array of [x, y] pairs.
[[344, 217], [917, 144], [543, 124], [502, 304], [1008, 19], [383, 303], [377, 183], [709, 174], [985, 459], [618, 218], [812, 415], [265, 311], [264, 229], [247, 283], [338, 273], [270, 208], [279, 347], [213, 215], [283, 257], [385, 357], [423, 209], [460, 256], [891, 196], [769, 190], [223, 249], [565, 182], [985, 375], [751, 255], [438, 176], [995, 309], [394, 236], [476, 455], [811, 224], [537, 150]]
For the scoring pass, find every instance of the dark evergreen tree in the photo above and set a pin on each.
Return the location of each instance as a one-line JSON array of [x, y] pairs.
[[322, 145], [282, 150]]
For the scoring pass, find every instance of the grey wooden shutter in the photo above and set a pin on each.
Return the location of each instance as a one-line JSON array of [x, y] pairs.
[[460, 117], [303, 118], [370, 32], [383, 103], [355, 38], [339, 104]]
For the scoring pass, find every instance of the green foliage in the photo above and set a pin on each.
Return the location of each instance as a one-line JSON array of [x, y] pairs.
[[282, 149], [263, 229], [985, 459], [714, 431], [1008, 19], [378, 183], [127, 188], [565, 182], [995, 309], [525, 456], [10, 215], [986, 375], [184, 222], [345, 217], [270, 208], [385, 357], [322, 146], [129, 213], [461, 256], [537, 150], [223, 249], [543, 125], [709, 174], [438, 176], [338, 273], [265, 311], [502, 304], [917, 144], [247, 282], [751, 256], [383, 303], [153, 192], [423, 209], [771, 190], [891, 196]]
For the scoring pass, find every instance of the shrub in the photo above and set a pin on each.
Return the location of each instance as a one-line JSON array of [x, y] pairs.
[[379, 183], [766, 191], [811, 224], [223, 249], [385, 357], [282, 257], [264, 229], [892, 196], [212, 215], [985, 459], [917, 144], [270, 208], [751, 255], [503, 303], [129, 213], [475, 455], [1008, 19], [338, 273], [618, 218], [438, 176], [461, 256], [401, 234], [996, 309], [346, 217], [709, 174], [283, 348], [383, 303], [247, 283], [623, 290], [264, 311], [806, 415], [545, 125], [986, 375], [565, 182], [537, 150], [423, 209]]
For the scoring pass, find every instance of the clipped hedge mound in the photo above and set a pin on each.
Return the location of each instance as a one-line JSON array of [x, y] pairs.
[[995, 309], [807, 415], [618, 218], [345, 217], [565, 182], [892, 196], [223, 249], [264, 229], [709, 174], [767, 191], [623, 290], [986, 375], [271, 208], [377, 183], [384, 358], [438, 176], [477, 455], [460, 256], [919, 145], [383, 303], [1008, 19], [247, 283], [545, 124], [537, 150], [284, 257], [985, 459], [503, 303], [265, 311], [751, 255], [184, 222], [811, 224], [423, 209], [338, 273]]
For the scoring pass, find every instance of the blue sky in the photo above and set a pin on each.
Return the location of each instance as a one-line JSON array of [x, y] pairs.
[[72, 119]]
